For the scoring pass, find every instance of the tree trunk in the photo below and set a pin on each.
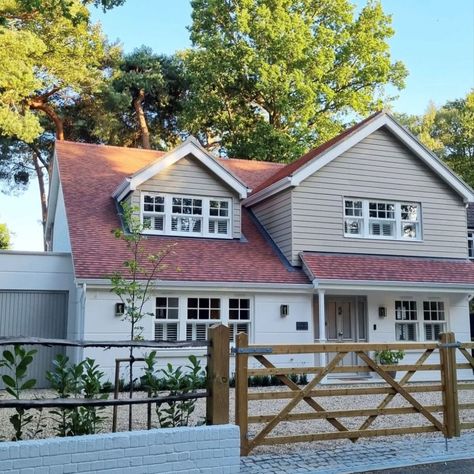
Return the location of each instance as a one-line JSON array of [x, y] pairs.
[[44, 202], [39, 104], [144, 133]]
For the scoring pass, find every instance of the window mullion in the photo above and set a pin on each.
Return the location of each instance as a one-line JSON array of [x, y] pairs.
[[206, 202], [398, 217], [365, 214]]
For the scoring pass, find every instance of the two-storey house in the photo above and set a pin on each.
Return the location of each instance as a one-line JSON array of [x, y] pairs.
[[362, 239]]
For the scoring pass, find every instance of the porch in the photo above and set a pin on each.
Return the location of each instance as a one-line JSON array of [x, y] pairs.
[[387, 316]]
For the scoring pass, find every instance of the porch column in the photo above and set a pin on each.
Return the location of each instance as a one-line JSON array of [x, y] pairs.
[[322, 324]]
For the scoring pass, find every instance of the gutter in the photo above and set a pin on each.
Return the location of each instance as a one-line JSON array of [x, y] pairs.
[[365, 285], [102, 283]]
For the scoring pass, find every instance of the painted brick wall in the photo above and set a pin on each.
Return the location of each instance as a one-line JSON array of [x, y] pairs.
[[204, 449]]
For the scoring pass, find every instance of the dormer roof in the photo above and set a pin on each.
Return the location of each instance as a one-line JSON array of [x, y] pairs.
[[190, 147]]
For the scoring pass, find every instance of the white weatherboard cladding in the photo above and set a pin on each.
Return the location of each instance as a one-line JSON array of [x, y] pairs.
[[378, 167], [275, 216], [189, 177]]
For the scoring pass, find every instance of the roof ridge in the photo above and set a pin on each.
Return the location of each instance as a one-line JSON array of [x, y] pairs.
[[254, 161], [101, 145]]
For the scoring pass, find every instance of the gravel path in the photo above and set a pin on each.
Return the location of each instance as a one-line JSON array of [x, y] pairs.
[[271, 407]]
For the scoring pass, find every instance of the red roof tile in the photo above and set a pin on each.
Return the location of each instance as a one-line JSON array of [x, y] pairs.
[[352, 267], [89, 175], [252, 172], [291, 168]]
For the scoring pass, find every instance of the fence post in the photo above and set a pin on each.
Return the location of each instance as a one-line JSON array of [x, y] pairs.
[[241, 392], [449, 381], [217, 405]]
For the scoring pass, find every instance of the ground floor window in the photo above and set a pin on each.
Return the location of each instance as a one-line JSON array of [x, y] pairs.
[[407, 325], [239, 317], [166, 319], [434, 319], [201, 313]]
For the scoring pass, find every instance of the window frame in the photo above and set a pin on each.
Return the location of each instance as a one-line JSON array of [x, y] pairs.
[[365, 219], [411, 320], [205, 216], [234, 323], [166, 321], [470, 244], [430, 321]]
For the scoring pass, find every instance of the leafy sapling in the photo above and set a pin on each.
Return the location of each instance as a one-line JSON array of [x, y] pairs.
[[134, 284], [17, 362]]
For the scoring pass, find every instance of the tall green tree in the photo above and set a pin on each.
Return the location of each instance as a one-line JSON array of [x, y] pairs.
[[48, 60], [270, 78], [155, 86]]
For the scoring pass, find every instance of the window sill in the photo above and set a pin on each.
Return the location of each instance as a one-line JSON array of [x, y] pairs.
[[390, 239]]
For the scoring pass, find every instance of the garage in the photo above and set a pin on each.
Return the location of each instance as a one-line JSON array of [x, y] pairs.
[[38, 314]]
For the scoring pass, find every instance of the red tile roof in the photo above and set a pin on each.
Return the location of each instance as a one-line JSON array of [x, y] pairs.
[[252, 172], [90, 173], [350, 267], [291, 168]]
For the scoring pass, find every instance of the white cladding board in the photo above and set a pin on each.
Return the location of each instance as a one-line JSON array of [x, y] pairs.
[[38, 314]]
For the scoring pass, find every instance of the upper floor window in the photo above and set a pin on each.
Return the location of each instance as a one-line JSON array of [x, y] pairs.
[[382, 219], [186, 215], [470, 243]]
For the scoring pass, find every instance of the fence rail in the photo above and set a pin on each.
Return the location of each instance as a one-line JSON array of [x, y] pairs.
[[448, 424], [216, 394]]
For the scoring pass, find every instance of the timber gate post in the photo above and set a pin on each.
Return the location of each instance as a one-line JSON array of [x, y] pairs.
[[217, 404], [241, 391], [449, 381]]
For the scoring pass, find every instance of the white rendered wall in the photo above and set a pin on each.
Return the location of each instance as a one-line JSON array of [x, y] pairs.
[[267, 326], [383, 329]]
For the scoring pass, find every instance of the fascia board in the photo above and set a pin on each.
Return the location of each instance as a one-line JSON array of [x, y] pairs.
[[431, 160], [267, 192], [188, 148], [370, 285], [53, 193], [214, 286], [339, 148]]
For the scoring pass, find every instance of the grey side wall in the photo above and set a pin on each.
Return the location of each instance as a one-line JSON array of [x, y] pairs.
[[188, 176], [275, 216], [378, 167]]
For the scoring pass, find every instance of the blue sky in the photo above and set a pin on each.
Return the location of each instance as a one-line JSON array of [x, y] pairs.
[[434, 38]]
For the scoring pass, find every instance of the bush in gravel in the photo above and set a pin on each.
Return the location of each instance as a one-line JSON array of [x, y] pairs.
[[178, 382], [17, 362], [77, 380]]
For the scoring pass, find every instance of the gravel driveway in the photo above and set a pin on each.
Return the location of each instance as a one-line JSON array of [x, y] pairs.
[[271, 407]]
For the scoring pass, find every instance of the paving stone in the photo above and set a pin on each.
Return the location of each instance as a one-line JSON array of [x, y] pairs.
[[368, 456]]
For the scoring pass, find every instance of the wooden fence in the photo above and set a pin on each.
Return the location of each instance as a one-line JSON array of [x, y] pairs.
[[216, 393], [449, 423]]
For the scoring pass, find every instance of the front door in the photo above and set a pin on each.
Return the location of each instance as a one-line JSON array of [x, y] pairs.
[[340, 323]]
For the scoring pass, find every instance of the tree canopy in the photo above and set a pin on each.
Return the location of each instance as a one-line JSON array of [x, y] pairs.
[[271, 78], [449, 132]]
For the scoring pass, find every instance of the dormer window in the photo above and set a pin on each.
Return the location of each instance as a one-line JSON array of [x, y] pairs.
[[194, 216]]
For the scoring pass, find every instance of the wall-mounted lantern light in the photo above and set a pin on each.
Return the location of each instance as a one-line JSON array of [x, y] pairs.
[[284, 310], [382, 312], [119, 309]]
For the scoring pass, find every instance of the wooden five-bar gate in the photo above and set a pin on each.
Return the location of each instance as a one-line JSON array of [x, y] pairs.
[[448, 423]]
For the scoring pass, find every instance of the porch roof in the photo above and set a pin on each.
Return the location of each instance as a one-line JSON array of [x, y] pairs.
[[339, 267]]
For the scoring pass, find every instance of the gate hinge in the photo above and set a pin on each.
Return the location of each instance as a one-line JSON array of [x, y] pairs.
[[252, 350]]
